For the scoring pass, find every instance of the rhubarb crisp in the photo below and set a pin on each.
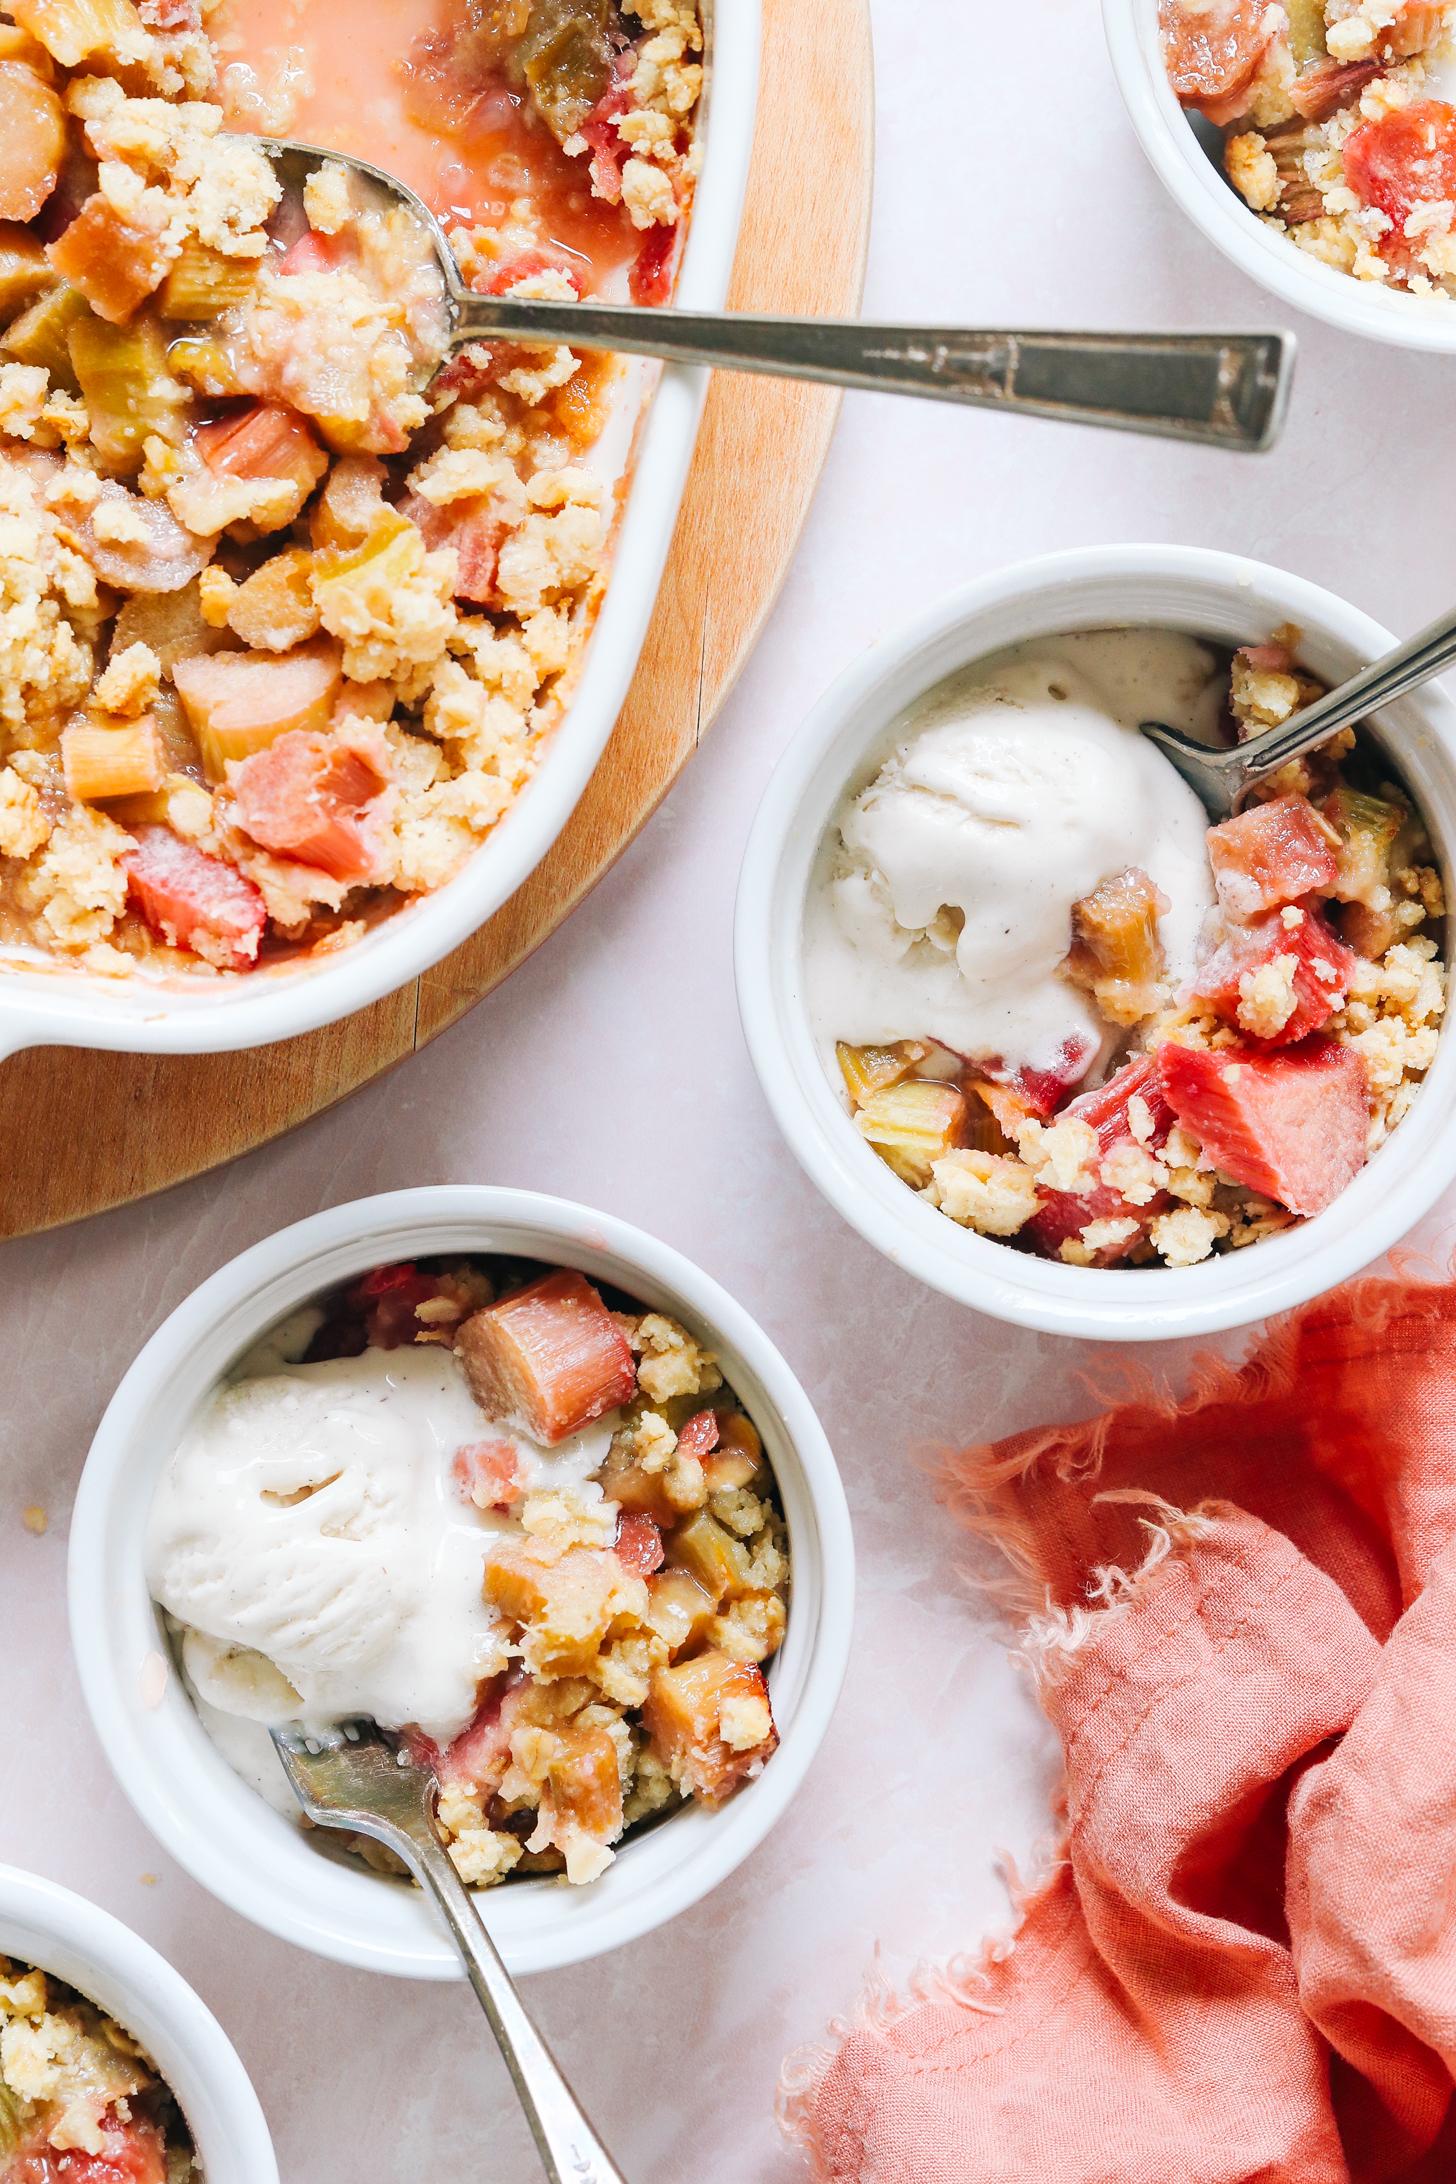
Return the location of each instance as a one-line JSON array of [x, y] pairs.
[[512, 1518], [1339, 124], [79, 2101], [1134, 1039], [286, 624]]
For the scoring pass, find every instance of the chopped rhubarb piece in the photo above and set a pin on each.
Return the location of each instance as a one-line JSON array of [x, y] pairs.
[[913, 1125], [1368, 827], [1042, 1090], [473, 534], [737, 1460], [487, 1474], [1279, 978], [317, 798], [239, 703], [1323, 90], [609, 148], [711, 1723], [871, 1069], [32, 141], [1271, 854], [115, 263], [1292, 1125], [1404, 160], [650, 280], [130, 2152], [713, 1555], [1116, 954], [154, 555], [481, 1753], [565, 1602], [525, 266], [550, 1359], [1062, 1215], [266, 441], [699, 1437], [193, 900], [582, 1794], [314, 253], [679, 1610], [638, 1544], [1213, 51]]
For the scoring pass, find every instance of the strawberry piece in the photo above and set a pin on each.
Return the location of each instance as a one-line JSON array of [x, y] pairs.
[[193, 900], [650, 280], [1272, 854], [699, 1437], [1107, 1110], [1213, 52], [638, 1546], [551, 1359], [1324, 89], [1403, 160], [473, 534], [1324, 967], [1292, 1125], [266, 441], [317, 798], [487, 1474]]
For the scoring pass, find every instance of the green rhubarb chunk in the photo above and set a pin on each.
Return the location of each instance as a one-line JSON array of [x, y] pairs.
[[565, 54]]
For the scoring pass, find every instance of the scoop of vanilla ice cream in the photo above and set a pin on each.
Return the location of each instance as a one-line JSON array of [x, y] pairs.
[[308, 1536], [943, 907]]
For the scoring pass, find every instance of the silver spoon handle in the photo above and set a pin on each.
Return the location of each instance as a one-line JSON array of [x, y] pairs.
[[1223, 390], [570, 2149], [1405, 669]]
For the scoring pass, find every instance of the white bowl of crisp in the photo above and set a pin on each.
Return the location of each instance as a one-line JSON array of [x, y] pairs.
[[1183, 161], [215, 1823], [77, 1946], [836, 761]]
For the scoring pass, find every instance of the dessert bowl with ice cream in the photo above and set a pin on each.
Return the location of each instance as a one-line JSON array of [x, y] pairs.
[[1313, 141], [514, 1484], [1041, 1032]]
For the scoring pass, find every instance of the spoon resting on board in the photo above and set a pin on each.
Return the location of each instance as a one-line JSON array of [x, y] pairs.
[[1217, 390]]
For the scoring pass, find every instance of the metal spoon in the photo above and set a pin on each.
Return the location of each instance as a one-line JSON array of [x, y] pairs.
[[1222, 778], [1221, 390], [352, 1778]]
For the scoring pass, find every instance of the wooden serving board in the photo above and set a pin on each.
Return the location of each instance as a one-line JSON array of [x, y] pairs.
[[133, 1124]]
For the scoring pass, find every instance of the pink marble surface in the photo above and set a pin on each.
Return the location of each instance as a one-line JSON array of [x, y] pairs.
[[612, 1069]]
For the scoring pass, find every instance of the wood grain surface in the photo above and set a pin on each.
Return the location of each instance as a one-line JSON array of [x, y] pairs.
[[126, 1125]]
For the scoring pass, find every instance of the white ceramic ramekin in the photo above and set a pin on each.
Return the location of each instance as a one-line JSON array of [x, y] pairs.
[[58, 1007], [1211, 201], [56, 1932], [226, 1836], [1210, 595]]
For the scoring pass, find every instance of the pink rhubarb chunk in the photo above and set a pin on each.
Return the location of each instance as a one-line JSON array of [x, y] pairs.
[[1291, 1124], [1064, 1214], [638, 1545], [487, 1474], [1321, 979], [317, 798], [1271, 854], [193, 900], [550, 1359]]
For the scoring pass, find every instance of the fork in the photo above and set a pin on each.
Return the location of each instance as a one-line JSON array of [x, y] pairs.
[[352, 1778], [1222, 778]]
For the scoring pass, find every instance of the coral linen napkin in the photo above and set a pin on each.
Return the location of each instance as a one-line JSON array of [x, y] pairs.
[[1244, 1966]]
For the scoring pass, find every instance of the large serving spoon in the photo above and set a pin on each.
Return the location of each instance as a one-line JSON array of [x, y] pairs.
[[1221, 390], [1223, 778], [352, 1778]]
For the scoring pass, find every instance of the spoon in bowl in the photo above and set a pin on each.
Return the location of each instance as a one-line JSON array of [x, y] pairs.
[[1221, 779], [354, 1779], [1219, 390]]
